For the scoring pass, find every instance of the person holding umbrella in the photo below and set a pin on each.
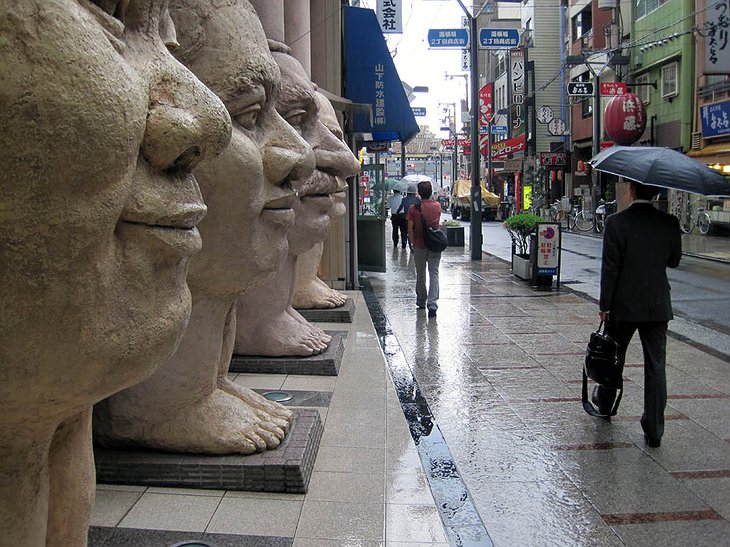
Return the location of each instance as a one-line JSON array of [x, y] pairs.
[[397, 218], [639, 243]]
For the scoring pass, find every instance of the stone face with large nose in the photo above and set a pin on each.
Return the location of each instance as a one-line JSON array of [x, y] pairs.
[[98, 216], [189, 404]]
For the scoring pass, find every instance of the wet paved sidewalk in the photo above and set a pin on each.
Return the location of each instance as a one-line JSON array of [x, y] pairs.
[[490, 391], [500, 369]]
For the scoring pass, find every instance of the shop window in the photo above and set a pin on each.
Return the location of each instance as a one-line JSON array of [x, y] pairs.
[[670, 83], [582, 24]]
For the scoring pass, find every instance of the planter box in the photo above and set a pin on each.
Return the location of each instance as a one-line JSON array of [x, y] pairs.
[[522, 266], [455, 236]]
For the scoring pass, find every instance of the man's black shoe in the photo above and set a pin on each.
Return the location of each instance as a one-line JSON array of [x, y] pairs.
[[599, 405], [432, 313], [653, 443]]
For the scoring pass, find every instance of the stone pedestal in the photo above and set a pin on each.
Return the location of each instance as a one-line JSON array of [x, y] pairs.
[[286, 469], [343, 314], [326, 363]]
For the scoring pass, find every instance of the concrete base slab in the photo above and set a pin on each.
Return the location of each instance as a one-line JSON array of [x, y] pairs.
[[326, 363], [343, 314], [100, 536], [286, 469]]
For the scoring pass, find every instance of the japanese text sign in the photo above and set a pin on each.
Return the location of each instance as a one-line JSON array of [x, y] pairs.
[[454, 37], [715, 119], [717, 52], [390, 16], [612, 89], [548, 247]]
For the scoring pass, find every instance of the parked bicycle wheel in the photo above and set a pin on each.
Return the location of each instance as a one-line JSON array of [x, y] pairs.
[[704, 222], [584, 221], [600, 223], [686, 223], [571, 219]]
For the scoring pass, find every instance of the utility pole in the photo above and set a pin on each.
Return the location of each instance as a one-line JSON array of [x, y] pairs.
[[475, 234], [595, 182]]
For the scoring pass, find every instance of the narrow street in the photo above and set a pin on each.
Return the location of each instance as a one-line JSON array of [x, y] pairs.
[[700, 287]]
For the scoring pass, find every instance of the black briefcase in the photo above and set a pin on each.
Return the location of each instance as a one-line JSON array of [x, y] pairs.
[[602, 365]]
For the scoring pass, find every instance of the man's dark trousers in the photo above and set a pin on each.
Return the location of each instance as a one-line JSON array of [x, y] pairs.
[[653, 335], [399, 225]]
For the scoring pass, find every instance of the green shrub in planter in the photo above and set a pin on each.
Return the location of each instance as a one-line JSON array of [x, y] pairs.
[[452, 224], [520, 227]]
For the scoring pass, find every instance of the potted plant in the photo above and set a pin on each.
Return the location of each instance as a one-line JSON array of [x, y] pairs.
[[520, 228], [454, 233]]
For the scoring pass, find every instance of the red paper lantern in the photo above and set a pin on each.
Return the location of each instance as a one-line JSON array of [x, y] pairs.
[[625, 119]]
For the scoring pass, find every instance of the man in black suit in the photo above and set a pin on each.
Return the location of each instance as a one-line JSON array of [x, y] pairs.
[[639, 243]]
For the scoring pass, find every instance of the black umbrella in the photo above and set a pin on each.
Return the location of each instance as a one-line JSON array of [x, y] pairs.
[[661, 167]]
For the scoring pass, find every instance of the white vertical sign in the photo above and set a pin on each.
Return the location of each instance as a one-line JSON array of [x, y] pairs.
[[465, 57], [390, 16], [717, 40]]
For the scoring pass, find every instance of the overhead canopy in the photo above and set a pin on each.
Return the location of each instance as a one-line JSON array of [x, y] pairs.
[[371, 78]]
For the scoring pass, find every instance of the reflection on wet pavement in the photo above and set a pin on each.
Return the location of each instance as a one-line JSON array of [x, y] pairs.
[[461, 520], [491, 393]]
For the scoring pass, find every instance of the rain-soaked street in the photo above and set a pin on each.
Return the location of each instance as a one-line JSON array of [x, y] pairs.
[[491, 391]]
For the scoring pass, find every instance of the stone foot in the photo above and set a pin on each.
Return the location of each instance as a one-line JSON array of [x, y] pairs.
[[270, 410], [219, 423], [282, 336], [314, 330]]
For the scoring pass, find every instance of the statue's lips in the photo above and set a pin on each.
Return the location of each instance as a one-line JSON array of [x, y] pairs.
[[278, 210], [169, 217], [321, 202]]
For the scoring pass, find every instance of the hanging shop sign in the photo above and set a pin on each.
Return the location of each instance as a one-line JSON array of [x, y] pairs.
[[717, 46], [390, 16], [517, 91], [612, 89], [715, 119], [485, 105], [625, 119], [554, 159]]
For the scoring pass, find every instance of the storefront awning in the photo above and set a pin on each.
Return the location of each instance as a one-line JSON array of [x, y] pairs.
[[371, 78], [712, 153]]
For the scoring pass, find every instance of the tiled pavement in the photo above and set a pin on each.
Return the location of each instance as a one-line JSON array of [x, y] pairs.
[[499, 369]]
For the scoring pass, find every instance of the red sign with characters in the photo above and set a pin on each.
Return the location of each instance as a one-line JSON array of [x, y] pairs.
[[613, 89], [447, 142], [625, 119], [554, 159], [485, 104]]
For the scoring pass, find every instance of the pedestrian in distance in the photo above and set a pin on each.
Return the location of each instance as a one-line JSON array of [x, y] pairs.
[[408, 200], [423, 257], [398, 219], [639, 243]]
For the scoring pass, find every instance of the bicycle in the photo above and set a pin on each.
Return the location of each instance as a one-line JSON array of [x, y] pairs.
[[560, 210], [604, 209], [585, 220], [688, 219]]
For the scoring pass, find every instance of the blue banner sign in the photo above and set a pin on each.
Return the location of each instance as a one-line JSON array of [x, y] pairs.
[[419, 110], [715, 119], [499, 130], [448, 37], [499, 38]]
